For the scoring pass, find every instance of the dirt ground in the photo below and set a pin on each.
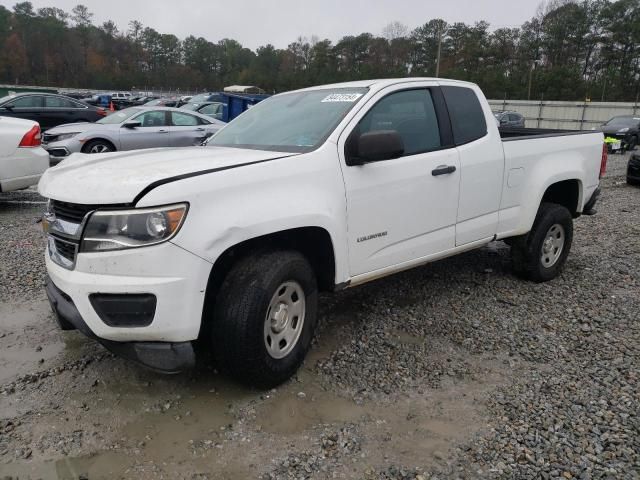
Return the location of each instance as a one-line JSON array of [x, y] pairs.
[[71, 410]]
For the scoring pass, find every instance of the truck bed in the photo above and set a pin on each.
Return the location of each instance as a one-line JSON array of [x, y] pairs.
[[511, 134]]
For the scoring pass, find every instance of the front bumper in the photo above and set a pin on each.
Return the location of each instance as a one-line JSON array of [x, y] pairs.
[[60, 150], [166, 357], [177, 278]]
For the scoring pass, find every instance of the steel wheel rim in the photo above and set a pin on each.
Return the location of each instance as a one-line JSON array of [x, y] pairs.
[[553, 245], [99, 148], [284, 321]]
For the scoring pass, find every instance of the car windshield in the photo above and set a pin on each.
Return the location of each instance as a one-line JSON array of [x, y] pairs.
[[119, 116], [203, 97], [292, 122], [623, 121]]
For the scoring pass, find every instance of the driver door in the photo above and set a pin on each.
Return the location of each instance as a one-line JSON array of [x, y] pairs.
[[403, 209], [153, 131]]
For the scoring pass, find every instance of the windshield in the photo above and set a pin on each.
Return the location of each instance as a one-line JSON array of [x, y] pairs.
[[190, 106], [203, 97], [292, 122], [624, 121], [119, 116]]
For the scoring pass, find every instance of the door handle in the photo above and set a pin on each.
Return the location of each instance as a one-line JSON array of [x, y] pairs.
[[200, 129], [163, 131], [443, 170]]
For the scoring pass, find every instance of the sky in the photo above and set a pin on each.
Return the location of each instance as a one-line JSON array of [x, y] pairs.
[[280, 22]]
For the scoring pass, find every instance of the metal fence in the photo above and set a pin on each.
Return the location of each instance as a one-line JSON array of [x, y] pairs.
[[566, 115]]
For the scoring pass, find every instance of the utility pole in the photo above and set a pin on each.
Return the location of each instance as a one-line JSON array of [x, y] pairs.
[[530, 78], [439, 49]]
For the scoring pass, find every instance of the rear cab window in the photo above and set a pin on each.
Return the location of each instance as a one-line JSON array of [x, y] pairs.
[[467, 117]]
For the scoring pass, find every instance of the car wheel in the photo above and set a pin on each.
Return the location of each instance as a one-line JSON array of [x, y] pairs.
[[540, 255], [264, 318], [631, 181], [98, 146]]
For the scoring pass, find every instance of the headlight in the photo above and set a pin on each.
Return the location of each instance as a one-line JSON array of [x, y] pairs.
[[623, 130], [65, 136], [140, 227]]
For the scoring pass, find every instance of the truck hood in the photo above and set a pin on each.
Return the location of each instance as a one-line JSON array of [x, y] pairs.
[[119, 177]]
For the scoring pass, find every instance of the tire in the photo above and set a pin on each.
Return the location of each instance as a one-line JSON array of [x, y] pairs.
[[98, 146], [541, 254], [631, 181], [249, 312]]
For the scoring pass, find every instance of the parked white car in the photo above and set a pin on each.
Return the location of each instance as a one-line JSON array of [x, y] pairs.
[[314, 190], [22, 159]]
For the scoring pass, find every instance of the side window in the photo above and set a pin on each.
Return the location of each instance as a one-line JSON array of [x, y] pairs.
[[30, 101], [152, 119], [467, 117], [184, 120], [57, 102], [212, 109], [410, 113]]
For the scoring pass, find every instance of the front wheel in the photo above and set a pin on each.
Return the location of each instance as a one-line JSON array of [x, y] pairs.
[[540, 255], [264, 318], [98, 146]]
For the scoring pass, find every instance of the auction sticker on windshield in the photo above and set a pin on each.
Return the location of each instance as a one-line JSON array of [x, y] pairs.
[[342, 97]]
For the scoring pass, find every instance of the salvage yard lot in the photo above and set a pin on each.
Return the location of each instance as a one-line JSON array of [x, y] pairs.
[[453, 369]]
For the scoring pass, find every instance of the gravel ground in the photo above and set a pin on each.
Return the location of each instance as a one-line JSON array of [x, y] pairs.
[[454, 370]]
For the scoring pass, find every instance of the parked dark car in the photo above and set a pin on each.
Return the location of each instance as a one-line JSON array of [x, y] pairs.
[[633, 170], [48, 109], [509, 119], [163, 102], [210, 109], [625, 128]]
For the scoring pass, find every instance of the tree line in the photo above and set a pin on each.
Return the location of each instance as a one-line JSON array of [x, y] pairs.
[[569, 50]]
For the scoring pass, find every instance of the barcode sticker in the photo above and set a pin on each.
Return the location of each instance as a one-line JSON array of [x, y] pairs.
[[342, 97]]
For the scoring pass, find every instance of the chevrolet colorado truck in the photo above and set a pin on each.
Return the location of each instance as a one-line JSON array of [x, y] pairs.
[[227, 245]]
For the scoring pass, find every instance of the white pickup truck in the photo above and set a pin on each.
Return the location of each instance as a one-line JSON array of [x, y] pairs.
[[227, 245]]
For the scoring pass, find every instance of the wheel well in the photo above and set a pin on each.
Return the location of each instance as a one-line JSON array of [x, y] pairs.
[[565, 193], [101, 140], [313, 242]]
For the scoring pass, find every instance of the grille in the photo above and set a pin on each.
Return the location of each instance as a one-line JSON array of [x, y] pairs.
[[66, 250], [71, 212]]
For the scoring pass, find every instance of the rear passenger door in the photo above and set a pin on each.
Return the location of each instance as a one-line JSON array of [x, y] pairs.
[[403, 209], [187, 130], [481, 163], [58, 111]]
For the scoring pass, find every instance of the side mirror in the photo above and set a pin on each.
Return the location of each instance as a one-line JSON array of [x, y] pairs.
[[132, 125], [374, 147], [8, 107]]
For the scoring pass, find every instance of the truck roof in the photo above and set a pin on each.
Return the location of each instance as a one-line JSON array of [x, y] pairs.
[[381, 83]]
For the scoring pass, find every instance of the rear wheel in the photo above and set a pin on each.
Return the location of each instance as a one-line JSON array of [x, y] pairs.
[[98, 146], [541, 254], [264, 318]]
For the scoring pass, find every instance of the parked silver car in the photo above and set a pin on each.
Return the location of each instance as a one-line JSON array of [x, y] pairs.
[[130, 129]]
